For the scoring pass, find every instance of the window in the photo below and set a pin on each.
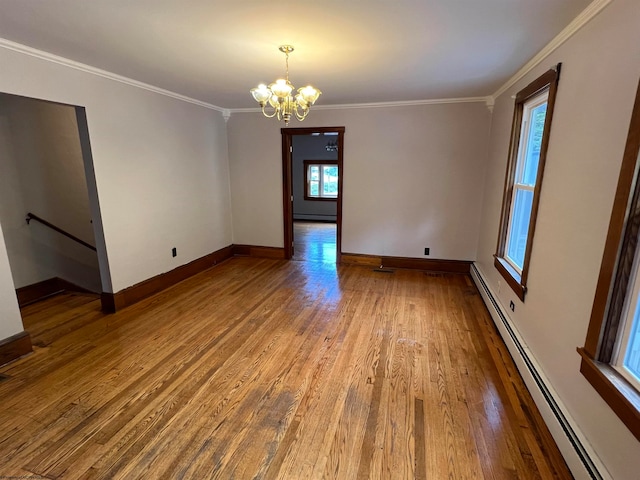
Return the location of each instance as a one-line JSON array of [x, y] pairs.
[[527, 153], [321, 180], [611, 353]]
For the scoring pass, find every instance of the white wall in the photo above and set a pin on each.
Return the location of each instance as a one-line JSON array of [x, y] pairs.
[[412, 178], [42, 171], [160, 163], [599, 77]]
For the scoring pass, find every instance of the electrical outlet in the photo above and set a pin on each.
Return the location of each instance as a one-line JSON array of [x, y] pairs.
[[174, 252], [426, 250], [512, 306]]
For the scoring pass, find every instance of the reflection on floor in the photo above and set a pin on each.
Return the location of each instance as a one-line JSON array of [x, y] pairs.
[[314, 242]]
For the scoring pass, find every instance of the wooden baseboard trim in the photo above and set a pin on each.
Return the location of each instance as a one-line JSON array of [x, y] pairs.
[[113, 302], [433, 265], [257, 251], [38, 291], [15, 347]]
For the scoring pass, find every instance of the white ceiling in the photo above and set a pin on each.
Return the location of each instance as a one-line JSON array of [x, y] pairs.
[[355, 51]]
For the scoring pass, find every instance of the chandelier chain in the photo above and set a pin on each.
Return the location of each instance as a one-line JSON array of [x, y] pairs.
[[287, 64]]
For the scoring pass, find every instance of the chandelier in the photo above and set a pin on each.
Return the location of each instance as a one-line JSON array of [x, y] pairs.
[[279, 96], [331, 146]]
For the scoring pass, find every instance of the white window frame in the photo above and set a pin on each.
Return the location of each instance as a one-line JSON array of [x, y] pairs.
[[624, 331], [321, 165]]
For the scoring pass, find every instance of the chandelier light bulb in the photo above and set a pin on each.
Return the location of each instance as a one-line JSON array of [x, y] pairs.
[[261, 93]]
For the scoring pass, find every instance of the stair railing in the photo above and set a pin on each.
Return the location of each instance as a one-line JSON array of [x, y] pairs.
[[31, 216]]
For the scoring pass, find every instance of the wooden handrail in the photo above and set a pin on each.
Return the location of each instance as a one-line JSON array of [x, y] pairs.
[[31, 216]]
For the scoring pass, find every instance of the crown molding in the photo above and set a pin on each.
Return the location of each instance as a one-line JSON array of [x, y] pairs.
[[580, 21], [408, 103], [50, 57]]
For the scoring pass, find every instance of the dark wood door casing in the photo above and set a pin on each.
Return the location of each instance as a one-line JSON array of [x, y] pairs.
[[287, 185]]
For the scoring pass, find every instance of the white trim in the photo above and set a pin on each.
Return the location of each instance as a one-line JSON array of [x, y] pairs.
[[408, 103], [580, 456], [629, 318], [580, 21], [490, 102], [50, 57]]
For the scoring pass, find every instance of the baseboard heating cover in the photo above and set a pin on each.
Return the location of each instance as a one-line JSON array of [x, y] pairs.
[[576, 450]]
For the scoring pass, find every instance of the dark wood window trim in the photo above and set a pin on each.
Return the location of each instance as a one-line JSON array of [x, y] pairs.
[[547, 81], [308, 197], [611, 291]]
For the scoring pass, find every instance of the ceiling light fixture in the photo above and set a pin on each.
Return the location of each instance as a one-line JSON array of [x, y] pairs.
[[278, 96]]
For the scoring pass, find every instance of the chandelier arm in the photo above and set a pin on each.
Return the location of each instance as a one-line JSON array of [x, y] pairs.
[[264, 112], [303, 115]]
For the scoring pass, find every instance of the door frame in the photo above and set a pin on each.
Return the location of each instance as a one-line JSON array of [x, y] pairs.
[[287, 184]]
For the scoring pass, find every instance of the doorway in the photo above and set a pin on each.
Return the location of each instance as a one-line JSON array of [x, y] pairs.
[[49, 208], [311, 173]]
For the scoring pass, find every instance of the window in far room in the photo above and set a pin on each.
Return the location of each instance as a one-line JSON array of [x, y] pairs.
[[527, 153], [321, 180]]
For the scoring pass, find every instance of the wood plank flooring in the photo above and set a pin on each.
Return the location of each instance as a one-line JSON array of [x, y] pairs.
[[268, 369], [314, 241]]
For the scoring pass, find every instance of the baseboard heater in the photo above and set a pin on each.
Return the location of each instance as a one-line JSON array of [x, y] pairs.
[[581, 462]]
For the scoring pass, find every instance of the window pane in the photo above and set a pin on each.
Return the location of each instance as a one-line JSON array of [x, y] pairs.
[[632, 356], [517, 241], [314, 173], [330, 181], [314, 188], [534, 143]]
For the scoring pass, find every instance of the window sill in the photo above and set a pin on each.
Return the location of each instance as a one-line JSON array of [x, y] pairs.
[[512, 277], [623, 399], [319, 199]]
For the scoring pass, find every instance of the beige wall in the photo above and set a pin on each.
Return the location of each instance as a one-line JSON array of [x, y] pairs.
[[600, 74], [412, 178]]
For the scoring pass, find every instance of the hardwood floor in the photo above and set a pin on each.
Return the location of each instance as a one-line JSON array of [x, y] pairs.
[[274, 370], [314, 242]]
